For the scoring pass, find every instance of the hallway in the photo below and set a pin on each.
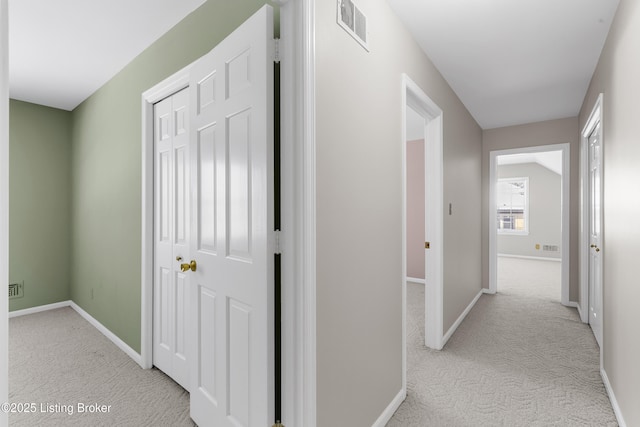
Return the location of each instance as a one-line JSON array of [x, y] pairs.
[[519, 359]]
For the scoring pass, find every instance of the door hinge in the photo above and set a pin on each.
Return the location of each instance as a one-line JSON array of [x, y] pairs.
[[276, 51], [277, 238]]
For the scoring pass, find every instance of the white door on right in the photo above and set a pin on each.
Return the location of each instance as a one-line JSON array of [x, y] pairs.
[[232, 233], [595, 233]]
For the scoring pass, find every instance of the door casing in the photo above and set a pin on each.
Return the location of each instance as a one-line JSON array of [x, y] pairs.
[[596, 117], [565, 220], [414, 97]]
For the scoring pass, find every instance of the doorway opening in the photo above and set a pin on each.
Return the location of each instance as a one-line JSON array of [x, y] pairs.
[[529, 221], [422, 217]]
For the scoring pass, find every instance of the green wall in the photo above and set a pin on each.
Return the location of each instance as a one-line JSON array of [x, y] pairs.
[[39, 216], [106, 169]]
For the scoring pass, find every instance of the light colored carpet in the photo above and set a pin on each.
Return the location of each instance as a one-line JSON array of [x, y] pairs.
[[519, 359], [529, 277], [57, 357]]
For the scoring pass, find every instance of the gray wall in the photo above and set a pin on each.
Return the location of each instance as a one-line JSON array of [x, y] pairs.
[[545, 202], [359, 213], [530, 135], [617, 77], [39, 216]]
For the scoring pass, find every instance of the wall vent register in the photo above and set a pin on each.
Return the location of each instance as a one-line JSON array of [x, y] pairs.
[[354, 22], [16, 290]]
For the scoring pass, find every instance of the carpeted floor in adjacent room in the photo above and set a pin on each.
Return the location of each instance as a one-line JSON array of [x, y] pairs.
[[57, 357], [519, 359]]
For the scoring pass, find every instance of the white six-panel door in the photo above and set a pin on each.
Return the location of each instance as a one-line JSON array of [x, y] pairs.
[[595, 232], [231, 92], [171, 236]]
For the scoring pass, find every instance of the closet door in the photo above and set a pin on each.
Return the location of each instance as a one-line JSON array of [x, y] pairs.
[[232, 244], [171, 236]]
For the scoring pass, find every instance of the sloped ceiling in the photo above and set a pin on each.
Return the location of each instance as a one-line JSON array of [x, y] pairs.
[[512, 61], [61, 51]]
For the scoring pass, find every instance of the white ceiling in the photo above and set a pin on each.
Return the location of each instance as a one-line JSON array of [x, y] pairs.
[[551, 160], [512, 61], [61, 51]]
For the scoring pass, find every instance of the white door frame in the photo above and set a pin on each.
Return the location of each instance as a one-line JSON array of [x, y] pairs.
[[565, 221], [298, 238], [167, 87], [4, 206], [413, 96], [298, 210], [596, 117]]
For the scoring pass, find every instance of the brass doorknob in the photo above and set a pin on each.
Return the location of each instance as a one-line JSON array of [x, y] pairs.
[[191, 266]]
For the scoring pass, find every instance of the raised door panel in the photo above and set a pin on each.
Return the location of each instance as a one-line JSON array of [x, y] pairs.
[[171, 236], [232, 93]]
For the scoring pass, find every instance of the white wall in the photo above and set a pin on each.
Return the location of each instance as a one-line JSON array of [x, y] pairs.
[[617, 77], [545, 202], [359, 209]]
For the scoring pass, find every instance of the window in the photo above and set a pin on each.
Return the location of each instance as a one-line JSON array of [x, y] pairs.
[[513, 205]]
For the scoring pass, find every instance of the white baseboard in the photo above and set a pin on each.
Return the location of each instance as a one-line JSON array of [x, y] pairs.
[[415, 280], [386, 415], [99, 326], [107, 333], [612, 398], [39, 309], [537, 258], [488, 291], [584, 319], [457, 323]]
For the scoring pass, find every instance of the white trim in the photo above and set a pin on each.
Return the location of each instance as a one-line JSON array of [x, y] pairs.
[[537, 258], [107, 333], [458, 321], [99, 326], [388, 412], [414, 97], [595, 117], [612, 398], [298, 214], [4, 205], [565, 208], [307, 211], [169, 86], [415, 280], [39, 309], [488, 291]]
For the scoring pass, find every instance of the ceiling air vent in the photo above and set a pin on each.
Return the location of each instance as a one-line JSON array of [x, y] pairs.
[[354, 22]]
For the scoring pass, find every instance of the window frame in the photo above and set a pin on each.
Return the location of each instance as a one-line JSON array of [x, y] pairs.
[[524, 232]]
